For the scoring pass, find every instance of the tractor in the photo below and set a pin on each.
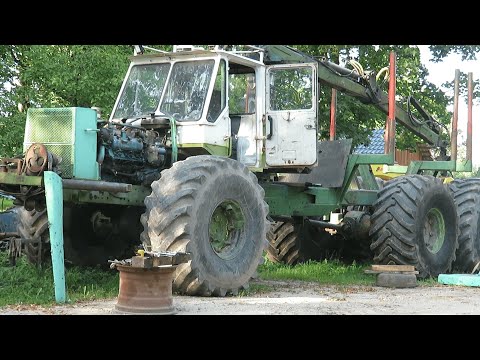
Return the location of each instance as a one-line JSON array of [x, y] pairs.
[[215, 151]]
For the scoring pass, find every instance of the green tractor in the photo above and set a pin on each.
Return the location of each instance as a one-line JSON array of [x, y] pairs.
[[215, 152]]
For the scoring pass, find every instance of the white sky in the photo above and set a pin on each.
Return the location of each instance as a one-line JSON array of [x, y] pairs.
[[444, 71]]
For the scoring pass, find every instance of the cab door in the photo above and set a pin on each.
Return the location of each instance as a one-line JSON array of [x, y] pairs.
[[291, 116]]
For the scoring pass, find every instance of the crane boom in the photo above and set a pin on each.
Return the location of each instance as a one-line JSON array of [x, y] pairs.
[[365, 89]]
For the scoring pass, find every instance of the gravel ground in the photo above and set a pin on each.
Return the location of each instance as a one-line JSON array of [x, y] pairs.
[[299, 298]]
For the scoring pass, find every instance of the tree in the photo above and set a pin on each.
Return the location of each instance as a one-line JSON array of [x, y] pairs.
[[55, 76]]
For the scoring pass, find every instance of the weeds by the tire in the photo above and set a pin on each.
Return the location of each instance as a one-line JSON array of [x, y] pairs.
[[324, 272], [26, 284], [255, 289]]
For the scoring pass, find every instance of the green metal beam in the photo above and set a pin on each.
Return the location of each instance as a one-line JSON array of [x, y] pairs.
[[9, 178], [360, 197], [293, 200], [135, 197], [371, 159], [416, 166], [368, 179], [287, 200]]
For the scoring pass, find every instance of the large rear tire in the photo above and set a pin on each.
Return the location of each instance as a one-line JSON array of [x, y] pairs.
[[466, 193], [295, 243], [213, 208], [415, 222]]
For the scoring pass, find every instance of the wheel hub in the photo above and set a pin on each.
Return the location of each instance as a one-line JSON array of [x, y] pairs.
[[226, 225], [434, 231]]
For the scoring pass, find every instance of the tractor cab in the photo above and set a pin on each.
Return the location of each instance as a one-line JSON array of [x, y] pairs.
[[227, 103]]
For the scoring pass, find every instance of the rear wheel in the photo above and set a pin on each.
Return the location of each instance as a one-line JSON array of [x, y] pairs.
[[466, 193], [33, 230], [213, 208], [292, 243], [415, 223]]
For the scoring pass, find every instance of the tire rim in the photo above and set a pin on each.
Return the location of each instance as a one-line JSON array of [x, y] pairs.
[[434, 231], [225, 229]]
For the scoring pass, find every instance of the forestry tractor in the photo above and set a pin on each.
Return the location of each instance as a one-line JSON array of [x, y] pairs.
[[215, 151]]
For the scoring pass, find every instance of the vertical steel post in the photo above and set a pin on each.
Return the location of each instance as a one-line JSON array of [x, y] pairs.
[[455, 116], [54, 195], [469, 121], [333, 115], [390, 127]]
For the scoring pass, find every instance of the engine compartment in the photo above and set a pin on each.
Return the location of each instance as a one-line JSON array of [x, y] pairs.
[[132, 154]]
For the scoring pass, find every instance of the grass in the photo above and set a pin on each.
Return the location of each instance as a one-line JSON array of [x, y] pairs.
[[5, 204], [26, 284], [329, 272], [254, 289]]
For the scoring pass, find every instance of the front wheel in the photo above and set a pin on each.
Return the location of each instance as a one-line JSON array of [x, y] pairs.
[[213, 208], [415, 222]]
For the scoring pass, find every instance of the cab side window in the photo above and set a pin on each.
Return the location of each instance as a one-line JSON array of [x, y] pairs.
[[219, 94], [242, 92]]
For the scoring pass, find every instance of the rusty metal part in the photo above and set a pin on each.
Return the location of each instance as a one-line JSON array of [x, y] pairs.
[[145, 291], [36, 159], [96, 185], [453, 150], [333, 115], [161, 258], [6, 165], [469, 121], [391, 122], [145, 262]]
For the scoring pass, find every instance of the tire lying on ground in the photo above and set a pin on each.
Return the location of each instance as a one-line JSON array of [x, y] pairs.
[[294, 243], [213, 208], [466, 193], [415, 222]]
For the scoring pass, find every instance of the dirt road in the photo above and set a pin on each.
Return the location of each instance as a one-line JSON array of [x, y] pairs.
[[300, 298]]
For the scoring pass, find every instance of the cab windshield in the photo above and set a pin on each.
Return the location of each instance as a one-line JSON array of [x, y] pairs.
[[184, 94]]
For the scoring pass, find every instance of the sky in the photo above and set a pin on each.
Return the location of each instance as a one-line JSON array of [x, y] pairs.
[[444, 71]]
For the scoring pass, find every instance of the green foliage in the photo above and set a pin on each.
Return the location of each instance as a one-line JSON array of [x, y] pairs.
[[26, 284], [325, 272], [464, 175], [468, 52], [55, 76], [5, 203]]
